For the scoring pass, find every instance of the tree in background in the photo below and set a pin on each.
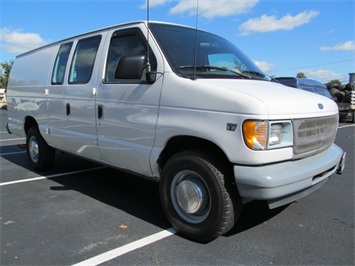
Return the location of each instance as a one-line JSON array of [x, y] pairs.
[[301, 75], [333, 82], [6, 66]]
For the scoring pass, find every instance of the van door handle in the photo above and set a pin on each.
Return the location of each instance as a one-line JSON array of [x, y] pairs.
[[67, 107], [100, 111]]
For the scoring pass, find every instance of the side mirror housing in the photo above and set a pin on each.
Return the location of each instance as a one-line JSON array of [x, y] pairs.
[[131, 67]]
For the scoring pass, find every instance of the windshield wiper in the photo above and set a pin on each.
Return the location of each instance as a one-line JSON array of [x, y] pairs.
[[254, 73], [209, 67], [240, 74]]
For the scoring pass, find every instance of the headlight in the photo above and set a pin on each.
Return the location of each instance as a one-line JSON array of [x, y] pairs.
[[263, 135], [275, 134]]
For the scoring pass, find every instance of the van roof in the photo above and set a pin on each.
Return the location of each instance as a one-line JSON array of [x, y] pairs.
[[98, 30]]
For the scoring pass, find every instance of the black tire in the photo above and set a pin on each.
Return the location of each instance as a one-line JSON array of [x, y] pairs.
[[39, 153], [333, 85], [198, 196], [348, 87], [339, 95]]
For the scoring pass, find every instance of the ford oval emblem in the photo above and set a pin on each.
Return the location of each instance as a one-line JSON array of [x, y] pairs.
[[320, 106]]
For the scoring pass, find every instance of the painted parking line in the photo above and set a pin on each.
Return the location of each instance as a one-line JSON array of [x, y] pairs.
[[3, 140], [344, 126], [114, 253], [11, 153], [49, 176]]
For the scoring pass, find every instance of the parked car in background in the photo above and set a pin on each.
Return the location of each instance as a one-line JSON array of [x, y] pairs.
[[306, 84], [343, 95]]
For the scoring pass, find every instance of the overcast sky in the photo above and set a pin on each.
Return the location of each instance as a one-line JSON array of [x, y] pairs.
[[283, 37]]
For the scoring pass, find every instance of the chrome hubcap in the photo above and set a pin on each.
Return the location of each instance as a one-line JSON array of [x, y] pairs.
[[33, 149], [190, 196]]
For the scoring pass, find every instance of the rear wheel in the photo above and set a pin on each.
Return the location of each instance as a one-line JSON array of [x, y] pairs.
[[198, 197], [39, 153]]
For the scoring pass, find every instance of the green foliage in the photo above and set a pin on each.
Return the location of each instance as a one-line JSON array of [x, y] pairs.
[[333, 81], [4, 77], [301, 75]]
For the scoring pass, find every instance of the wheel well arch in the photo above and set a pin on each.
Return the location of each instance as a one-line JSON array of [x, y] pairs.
[[181, 143], [29, 122]]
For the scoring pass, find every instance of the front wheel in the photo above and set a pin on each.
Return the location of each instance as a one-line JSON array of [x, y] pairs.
[[198, 197], [39, 153]]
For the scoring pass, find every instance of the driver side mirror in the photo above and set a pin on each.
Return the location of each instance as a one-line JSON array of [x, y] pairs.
[[131, 67]]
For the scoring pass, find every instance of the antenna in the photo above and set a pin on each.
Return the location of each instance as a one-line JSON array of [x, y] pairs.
[[195, 48], [148, 66], [148, 74]]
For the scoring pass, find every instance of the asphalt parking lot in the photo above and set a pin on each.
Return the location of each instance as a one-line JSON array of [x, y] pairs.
[[84, 213]]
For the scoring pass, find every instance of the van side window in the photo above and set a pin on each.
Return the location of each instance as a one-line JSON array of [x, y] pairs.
[[123, 44], [83, 60], [61, 63]]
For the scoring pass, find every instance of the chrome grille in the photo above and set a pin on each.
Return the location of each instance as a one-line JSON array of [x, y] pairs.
[[313, 135]]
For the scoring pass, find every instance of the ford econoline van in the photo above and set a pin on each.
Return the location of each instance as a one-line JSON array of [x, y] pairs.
[[183, 107]]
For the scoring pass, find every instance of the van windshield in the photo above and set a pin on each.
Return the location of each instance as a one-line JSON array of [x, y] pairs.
[[215, 57]]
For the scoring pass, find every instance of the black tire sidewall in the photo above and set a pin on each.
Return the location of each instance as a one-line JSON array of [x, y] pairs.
[[209, 228]]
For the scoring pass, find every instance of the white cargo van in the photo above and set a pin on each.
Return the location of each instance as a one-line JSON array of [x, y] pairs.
[[189, 110]]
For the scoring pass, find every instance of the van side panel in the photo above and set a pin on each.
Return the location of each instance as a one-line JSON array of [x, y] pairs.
[[27, 87]]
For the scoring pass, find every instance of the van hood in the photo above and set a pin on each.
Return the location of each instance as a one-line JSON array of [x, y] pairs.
[[269, 98]]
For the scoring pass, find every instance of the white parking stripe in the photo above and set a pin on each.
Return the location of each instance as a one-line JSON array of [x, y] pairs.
[[114, 253], [353, 125], [11, 153], [2, 140], [49, 176]]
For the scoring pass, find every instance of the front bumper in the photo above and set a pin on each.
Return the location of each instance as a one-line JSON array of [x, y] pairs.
[[286, 182]]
